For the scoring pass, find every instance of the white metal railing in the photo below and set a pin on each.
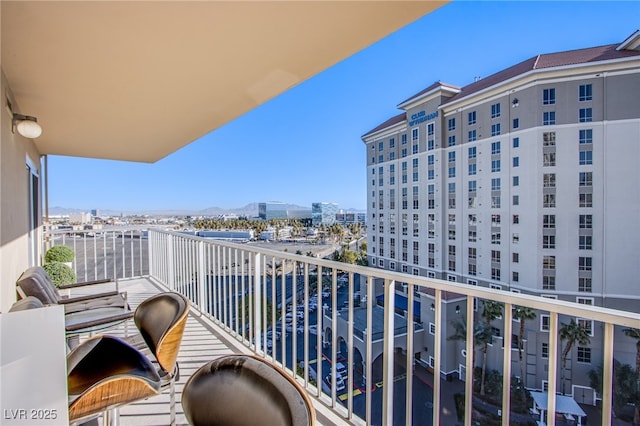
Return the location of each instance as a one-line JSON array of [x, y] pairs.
[[249, 291], [105, 254]]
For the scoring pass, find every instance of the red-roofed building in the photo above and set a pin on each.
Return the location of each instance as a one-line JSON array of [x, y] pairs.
[[524, 181]]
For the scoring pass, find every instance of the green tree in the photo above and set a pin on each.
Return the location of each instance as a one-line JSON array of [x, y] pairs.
[[634, 333], [491, 311], [481, 335], [573, 333], [523, 314]]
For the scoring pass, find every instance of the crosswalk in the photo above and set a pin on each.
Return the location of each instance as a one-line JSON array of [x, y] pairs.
[[356, 392]]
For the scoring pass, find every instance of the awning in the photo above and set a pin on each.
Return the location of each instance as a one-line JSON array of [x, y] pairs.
[[564, 404]]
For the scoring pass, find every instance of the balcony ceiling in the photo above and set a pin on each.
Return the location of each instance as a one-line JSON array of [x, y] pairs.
[[138, 80]]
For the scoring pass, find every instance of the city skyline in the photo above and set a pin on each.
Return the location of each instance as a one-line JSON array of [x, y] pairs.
[[304, 146]]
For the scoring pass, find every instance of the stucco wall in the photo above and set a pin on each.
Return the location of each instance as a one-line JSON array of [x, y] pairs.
[[14, 205]]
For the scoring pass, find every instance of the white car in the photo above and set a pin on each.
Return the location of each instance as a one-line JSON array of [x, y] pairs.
[[341, 370], [339, 382]]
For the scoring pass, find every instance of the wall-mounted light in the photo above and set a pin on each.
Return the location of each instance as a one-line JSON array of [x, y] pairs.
[[515, 103], [457, 309], [26, 125]]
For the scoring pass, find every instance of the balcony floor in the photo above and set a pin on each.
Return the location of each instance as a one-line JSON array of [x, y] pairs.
[[202, 342]]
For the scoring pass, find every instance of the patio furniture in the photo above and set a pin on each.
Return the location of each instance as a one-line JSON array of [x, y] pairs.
[[161, 320], [104, 373], [245, 389], [36, 282], [82, 313]]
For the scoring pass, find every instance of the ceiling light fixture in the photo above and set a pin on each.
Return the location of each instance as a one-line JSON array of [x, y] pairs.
[[26, 125]]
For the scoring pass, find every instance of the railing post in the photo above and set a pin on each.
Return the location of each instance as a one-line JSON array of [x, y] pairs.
[[151, 237], [437, 350], [257, 304], [553, 368], [388, 359], [506, 366], [607, 373], [468, 384], [171, 263], [202, 277]]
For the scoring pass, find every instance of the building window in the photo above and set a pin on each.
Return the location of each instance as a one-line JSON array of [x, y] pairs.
[[584, 285], [516, 161], [549, 263], [515, 257], [495, 110], [495, 148], [472, 169], [414, 149], [516, 142], [586, 115], [495, 220], [586, 136], [451, 124], [548, 118], [495, 129], [544, 322], [392, 143], [472, 151], [516, 123], [414, 134], [548, 96], [515, 277], [495, 256], [515, 237], [586, 200], [549, 221], [516, 217], [495, 237], [431, 145], [392, 156], [586, 92], [586, 221], [586, 158], [472, 269], [452, 172], [548, 282], [430, 129], [380, 146], [495, 165], [586, 179], [452, 140], [495, 184], [473, 236], [549, 139], [544, 350], [516, 180], [548, 159], [404, 139], [584, 355], [472, 135], [404, 152], [585, 242], [548, 241], [472, 118], [549, 180], [495, 202], [431, 174], [584, 263], [495, 274], [549, 200]]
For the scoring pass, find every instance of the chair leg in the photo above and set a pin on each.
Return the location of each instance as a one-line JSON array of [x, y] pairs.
[[172, 402]]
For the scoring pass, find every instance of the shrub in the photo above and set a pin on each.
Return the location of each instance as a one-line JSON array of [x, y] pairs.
[[59, 254], [60, 273]]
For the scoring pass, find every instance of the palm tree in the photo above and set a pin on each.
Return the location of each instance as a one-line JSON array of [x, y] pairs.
[[634, 333], [491, 311], [523, 314], [481, 335], [573, 333]]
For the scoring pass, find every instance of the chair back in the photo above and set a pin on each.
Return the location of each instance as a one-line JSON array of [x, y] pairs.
[[243, 389], [36, 282], [161, 320], [104, 373]]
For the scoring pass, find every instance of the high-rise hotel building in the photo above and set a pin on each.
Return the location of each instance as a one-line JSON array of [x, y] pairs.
[[527, 180]]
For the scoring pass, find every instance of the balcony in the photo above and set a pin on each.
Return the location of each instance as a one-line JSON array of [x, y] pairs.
[[241, 295]]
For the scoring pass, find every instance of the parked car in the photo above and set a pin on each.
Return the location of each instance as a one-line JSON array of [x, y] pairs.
[[339, 382], [341, 370]]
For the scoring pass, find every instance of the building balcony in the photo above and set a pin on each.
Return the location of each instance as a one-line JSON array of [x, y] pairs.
[[370, 324]]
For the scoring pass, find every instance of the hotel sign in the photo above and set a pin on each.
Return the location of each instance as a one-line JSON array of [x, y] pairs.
[[421, 116]]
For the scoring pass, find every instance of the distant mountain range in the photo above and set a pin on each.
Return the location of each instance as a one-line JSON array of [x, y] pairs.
[[250, 210]]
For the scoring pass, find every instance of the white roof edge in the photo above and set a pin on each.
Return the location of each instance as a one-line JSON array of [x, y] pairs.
[[427, 94], [368, 136], [630, 41]]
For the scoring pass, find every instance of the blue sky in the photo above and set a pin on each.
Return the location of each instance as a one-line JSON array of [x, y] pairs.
[[305, 146]]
